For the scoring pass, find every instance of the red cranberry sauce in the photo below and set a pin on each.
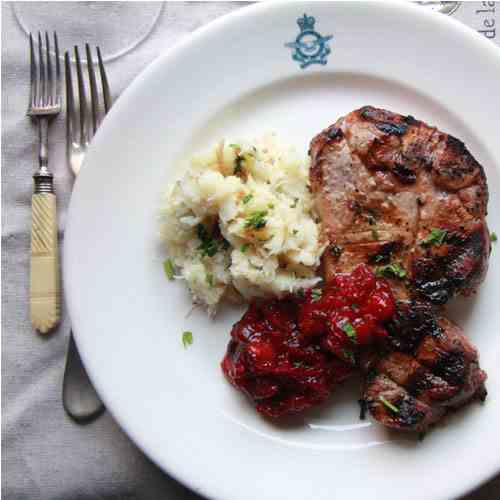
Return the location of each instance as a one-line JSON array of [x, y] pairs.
[[287, 355]]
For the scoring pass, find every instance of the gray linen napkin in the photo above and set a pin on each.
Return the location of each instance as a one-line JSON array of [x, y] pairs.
[[44, 454]]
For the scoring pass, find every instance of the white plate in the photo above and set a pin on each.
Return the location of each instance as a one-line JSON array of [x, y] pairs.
[[236, 76]]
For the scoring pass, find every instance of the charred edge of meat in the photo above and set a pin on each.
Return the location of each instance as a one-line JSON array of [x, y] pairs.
[[456, 146], [482, 393], [438, 278], [405, 174], [385, 121], [410, 120], [384, 253], [456, 162], [335, 133], [411, 323]]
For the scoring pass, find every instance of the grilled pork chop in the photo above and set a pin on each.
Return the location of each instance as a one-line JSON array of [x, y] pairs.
[[427, 368], [409, 201], [391, 189]]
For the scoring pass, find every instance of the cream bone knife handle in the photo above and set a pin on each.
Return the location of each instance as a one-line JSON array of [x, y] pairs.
[[45, 288]]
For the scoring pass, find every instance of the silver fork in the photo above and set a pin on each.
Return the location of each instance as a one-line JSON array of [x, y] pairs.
[[44, 105], [79, 132], [80, 399]]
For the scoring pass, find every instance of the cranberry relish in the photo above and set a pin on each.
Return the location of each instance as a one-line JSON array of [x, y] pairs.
[[288, 355]]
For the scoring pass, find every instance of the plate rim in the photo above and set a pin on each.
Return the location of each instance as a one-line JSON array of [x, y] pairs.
[[164, 59]]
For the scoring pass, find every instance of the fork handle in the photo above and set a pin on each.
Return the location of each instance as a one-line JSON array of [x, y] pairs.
[[45, 290]]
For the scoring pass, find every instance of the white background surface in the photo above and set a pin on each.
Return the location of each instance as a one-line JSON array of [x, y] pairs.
[[45, 455]]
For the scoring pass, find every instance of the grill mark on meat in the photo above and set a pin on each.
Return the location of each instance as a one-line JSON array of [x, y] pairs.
[[451, 367], [416, 178], [426, 369], [433, 389], [411, 415], [438, 277], [410, 325], [392, 128], [384, 253], [405, 174], [384, 121]]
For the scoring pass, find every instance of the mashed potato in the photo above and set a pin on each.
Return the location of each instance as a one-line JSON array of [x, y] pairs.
[[240, 223]]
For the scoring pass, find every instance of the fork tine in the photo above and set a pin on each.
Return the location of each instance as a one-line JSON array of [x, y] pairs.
[[108, 101], [57, 99], [50, 78], [33, 74], [82, 98], [94, 100], [41, 72], [70, 101]]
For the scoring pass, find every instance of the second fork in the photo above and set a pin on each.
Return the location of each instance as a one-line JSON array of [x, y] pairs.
[[80, 399], [80, 129]]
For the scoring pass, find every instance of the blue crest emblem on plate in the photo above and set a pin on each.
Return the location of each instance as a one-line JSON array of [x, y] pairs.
[[309, 46]]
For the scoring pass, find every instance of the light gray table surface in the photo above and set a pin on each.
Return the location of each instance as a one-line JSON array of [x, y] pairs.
[[45, 455]]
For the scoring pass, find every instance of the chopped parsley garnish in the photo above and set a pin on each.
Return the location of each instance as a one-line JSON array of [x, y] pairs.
[[208, 247], [375, 234], [316, 294], [435, 237], [394, 270], [349, 355], [247, 198], [295, 202], [245, 247], [295, 231], [270, 205], [256, 220], [187, 339], [168, 267], [350, 331], [493, 237], [210, 279], [389, 405]]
